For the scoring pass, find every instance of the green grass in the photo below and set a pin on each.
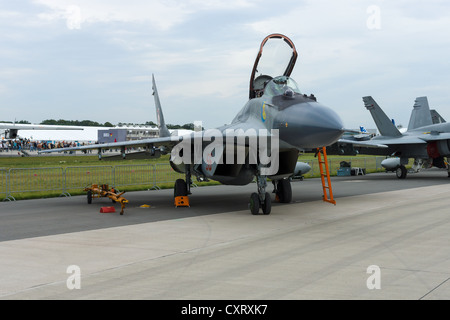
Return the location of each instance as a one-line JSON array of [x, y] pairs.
[[49, 176], [66, 161]]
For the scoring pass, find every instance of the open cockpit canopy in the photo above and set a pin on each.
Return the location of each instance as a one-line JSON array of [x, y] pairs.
[[278, 59]]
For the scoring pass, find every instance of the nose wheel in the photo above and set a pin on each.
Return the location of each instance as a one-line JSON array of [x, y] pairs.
[[256, 204], [260, 200]]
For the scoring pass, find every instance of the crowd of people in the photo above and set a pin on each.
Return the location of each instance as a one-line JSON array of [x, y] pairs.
[[19, 145]]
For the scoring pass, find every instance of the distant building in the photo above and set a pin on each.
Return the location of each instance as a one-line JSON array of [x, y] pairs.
[[112, 135]]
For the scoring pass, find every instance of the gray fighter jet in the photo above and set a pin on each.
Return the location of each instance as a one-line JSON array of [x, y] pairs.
[[262, 141], [427, 139]]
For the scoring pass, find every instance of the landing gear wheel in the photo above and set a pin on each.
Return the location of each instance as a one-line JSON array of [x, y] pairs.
[[401, 172], [267, 205], [89, 197], [180, 188], [254, 203], [284, 191]]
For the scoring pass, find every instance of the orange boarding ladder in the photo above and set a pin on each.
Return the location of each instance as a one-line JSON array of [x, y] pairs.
[[326, 184]]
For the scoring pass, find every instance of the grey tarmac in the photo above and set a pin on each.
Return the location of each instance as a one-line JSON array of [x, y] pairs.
[[215, 249]]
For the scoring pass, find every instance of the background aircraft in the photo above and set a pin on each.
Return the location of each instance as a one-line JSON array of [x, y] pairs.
[[276, 108], [427, 139]]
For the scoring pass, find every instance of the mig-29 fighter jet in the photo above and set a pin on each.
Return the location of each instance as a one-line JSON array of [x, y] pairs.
[[263, 140]]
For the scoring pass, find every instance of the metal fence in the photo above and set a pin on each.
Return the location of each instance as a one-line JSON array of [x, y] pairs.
[[4, 192], [368, 163], [81, 177], [164, 173], [131, 175], [152, 176], [35, 180]]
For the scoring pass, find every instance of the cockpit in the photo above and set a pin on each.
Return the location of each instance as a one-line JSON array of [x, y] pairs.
[[277, 60], [282, 85]]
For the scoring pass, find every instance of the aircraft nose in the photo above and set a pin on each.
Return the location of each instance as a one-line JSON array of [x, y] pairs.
[[309, 125]]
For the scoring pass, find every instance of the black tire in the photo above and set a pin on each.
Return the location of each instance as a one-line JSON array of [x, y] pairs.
[[284, 191], [267, 205], [89, 197], [401, 172], [254, 203], [180, 188]]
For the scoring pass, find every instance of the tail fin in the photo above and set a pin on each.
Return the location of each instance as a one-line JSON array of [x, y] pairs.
[[421, 115], [436, 117], [163, 131], [384, 125]]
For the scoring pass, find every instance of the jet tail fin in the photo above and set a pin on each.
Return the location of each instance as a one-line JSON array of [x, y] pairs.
[[421, 115], [384, 125], [163, 131], [436, 117]]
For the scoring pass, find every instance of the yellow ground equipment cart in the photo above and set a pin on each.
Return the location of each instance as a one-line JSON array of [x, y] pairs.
[[103, 191]]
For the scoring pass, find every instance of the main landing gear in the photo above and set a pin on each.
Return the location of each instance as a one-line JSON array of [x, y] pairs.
[[260, 200], [283, 190], [401, 172], [181, 190]]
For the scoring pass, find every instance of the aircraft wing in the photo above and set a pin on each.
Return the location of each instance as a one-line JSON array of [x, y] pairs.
[[165, 141], [367, 144], [436, 137], [386, 142], [226, 132]]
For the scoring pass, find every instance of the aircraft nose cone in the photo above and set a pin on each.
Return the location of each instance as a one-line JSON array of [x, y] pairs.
[[309, 125]]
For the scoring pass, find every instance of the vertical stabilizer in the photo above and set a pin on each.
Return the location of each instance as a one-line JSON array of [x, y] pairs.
[[384, 125], [436, 117], [421, 115], [163, 131]]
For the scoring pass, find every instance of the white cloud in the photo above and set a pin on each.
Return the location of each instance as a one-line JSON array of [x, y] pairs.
[[163, 14], [204, 50]]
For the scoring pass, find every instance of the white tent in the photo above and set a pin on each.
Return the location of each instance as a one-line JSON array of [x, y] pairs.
[[88, 134]]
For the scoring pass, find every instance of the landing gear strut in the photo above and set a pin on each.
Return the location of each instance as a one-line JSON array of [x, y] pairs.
[[262, 198]]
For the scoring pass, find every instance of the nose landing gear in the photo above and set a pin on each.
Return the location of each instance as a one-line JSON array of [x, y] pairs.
[[261, 200]]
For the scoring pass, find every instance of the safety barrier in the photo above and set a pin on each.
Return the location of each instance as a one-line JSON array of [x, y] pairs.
[[65, 180], [135, 175], [166, 174], [81, 177], [372, 163], [4, 192], [35, 180]]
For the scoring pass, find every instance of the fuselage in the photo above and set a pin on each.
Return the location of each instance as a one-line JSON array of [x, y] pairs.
[[296, 120]]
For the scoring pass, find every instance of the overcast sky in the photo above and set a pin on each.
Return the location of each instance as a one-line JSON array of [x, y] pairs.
[[93, 59]]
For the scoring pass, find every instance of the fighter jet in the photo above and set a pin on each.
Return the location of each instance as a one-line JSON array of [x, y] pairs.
[[262, 141], [427, 139]]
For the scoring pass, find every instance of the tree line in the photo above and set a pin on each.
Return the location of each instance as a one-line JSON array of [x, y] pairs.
[[82, 123], [89, 123]]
